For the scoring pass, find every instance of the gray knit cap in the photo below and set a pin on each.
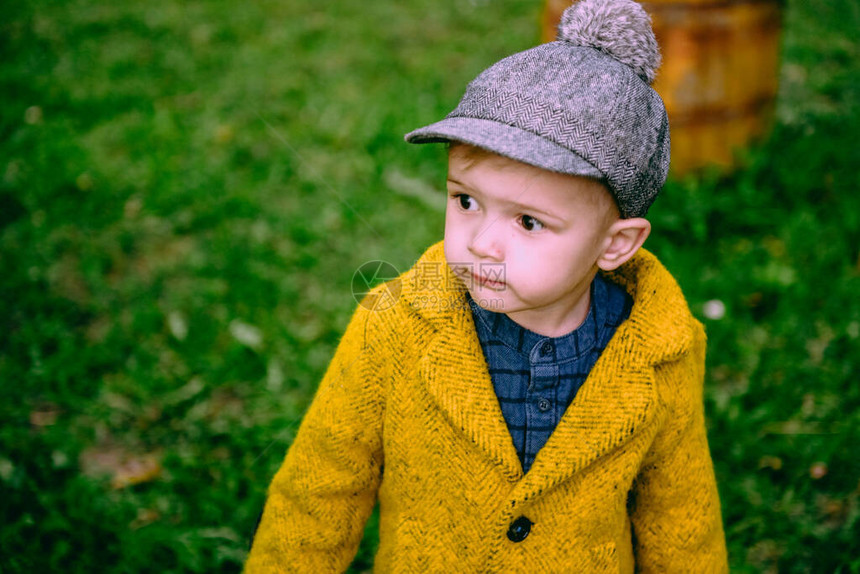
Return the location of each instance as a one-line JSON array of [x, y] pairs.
[[581, 105]]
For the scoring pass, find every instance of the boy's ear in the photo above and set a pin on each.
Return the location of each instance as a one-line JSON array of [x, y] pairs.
[[624, 238]]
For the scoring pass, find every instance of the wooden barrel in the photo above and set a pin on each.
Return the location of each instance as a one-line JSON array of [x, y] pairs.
[[719, 73]]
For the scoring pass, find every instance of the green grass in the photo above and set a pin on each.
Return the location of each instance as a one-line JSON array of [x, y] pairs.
[[186, 189]]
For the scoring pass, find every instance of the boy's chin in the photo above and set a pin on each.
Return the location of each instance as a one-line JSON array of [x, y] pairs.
[[488, 300]]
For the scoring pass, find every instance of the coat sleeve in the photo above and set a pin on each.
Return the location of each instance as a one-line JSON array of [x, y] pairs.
[[674, 506], [320, 499]]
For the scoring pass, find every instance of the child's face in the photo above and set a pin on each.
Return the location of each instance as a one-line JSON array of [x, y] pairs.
[[524, 240]]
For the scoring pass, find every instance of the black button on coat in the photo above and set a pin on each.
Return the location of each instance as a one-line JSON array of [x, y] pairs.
[[519, 529]]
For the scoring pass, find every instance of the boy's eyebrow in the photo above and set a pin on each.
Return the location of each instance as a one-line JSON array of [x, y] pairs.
[[533, 209], [520, 206]]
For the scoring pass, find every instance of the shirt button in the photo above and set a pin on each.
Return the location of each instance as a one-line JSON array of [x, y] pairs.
[[519, 529], [546, 348], [544, 405]]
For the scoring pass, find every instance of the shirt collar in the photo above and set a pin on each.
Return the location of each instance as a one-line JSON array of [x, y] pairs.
[[540, 349]]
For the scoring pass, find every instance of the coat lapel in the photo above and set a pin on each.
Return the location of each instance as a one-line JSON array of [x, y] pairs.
[[456, 376], [452, 367], [615, 401], [619, 396]]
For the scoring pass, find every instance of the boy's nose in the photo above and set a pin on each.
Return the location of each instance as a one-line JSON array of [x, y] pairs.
[[486, 243]]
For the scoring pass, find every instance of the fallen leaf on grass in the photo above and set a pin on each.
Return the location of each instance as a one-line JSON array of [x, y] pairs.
[[773, 462], [44, 415], [246, 334], [818, 470], [796, 427], [124, 468], [145, 517]]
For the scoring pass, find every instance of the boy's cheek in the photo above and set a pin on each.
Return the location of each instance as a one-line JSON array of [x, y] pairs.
[[453, 253], [453, 239], [449, 247]]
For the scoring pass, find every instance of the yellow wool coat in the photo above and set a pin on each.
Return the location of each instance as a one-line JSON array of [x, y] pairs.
[[406, 413]]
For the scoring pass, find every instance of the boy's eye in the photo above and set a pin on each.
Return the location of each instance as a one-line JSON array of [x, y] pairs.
[[467, 202], [529, 223]]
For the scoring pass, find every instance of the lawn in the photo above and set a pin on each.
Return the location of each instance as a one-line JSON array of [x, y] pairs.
[[186, 190]]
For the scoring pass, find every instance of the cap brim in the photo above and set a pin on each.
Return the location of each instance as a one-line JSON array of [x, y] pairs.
[[505, 140]]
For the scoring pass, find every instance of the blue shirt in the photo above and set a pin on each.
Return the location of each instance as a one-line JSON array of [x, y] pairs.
[[537, 377]]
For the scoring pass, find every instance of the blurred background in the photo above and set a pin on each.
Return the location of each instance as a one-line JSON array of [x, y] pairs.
[[186, 189]]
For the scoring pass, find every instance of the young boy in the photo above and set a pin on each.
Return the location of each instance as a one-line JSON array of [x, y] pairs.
[[532, 401]]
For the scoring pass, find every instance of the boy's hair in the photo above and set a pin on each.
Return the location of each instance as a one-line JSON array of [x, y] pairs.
[[581, 105]]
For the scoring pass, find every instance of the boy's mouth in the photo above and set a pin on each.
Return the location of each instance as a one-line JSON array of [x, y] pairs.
[[470, 278], [491, 284]]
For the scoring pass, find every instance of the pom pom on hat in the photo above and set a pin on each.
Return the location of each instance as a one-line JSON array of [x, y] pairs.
[[619, 28]]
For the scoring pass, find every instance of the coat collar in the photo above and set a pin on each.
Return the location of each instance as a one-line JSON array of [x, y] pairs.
[[615, 401]]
